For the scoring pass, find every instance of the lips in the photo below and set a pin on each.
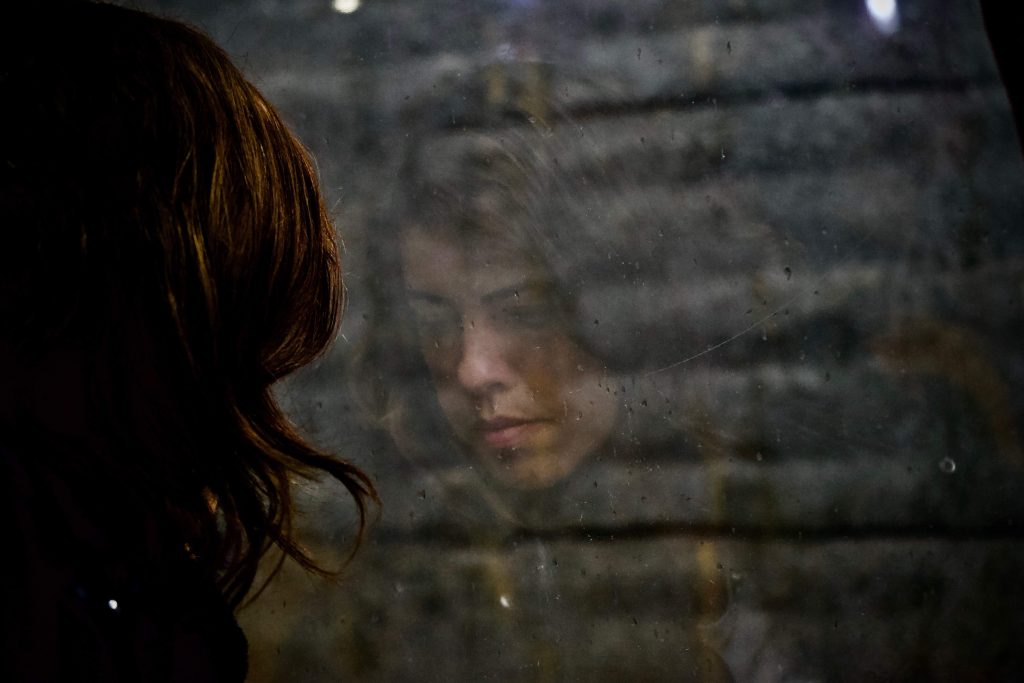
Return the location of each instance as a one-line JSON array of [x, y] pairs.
[[508, 432]]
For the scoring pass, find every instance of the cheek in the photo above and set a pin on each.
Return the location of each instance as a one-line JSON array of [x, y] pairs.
[[458, 410], [456, 404], [547, 386], [555, 367], [546, 362], [591, 416], [441, 361], [453, 404]]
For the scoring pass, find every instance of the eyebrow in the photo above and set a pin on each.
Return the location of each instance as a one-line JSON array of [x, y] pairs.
[[514, 290], [491, 297], [427, 297]]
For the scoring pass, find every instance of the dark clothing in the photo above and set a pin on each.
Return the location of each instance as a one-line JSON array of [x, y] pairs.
[[96, 589]]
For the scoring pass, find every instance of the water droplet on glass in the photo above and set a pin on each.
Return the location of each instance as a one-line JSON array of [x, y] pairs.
[[947, 465]]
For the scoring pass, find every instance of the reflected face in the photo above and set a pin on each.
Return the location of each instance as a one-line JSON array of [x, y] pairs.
[[523, 397]]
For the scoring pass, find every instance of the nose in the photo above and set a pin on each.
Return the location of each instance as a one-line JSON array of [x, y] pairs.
[[484, 365]]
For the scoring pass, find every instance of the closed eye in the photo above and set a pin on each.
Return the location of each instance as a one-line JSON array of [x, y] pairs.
[[533, 315], [434, 317]]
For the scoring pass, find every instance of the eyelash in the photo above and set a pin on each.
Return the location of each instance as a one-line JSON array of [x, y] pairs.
[[526, 316], [531, 315]]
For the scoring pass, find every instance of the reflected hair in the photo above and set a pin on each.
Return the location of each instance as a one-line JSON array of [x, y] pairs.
[[163, 221]]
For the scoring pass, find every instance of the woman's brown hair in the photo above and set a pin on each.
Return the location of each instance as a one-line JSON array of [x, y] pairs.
[[162, 222]]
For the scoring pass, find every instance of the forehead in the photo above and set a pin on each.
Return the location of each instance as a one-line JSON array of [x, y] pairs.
[[466, 269]]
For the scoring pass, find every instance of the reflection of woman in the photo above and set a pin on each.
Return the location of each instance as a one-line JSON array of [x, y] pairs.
[[527, 302], [518, 390], [515, 321], [166, 259]]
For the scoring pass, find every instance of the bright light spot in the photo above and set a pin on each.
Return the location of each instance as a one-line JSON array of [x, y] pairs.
[[883, 10], [883, 14], [506, 52], [112, 604], [346, 6], [504, 601]]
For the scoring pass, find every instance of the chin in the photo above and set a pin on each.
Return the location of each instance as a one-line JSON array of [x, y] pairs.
[[525, 472]]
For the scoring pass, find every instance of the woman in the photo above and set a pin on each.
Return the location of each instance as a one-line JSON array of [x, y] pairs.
[[519, 392], [525, 305], [167, 258]]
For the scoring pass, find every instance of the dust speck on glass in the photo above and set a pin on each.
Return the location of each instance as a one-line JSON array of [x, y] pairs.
[[682, 339]]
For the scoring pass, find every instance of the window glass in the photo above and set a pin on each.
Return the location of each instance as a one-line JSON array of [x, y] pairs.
[[683, 339]]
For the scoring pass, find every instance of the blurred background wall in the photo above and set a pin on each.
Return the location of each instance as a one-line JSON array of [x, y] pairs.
[[848, 502]]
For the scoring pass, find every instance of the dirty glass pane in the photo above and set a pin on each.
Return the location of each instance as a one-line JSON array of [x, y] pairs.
[[682, 340]]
